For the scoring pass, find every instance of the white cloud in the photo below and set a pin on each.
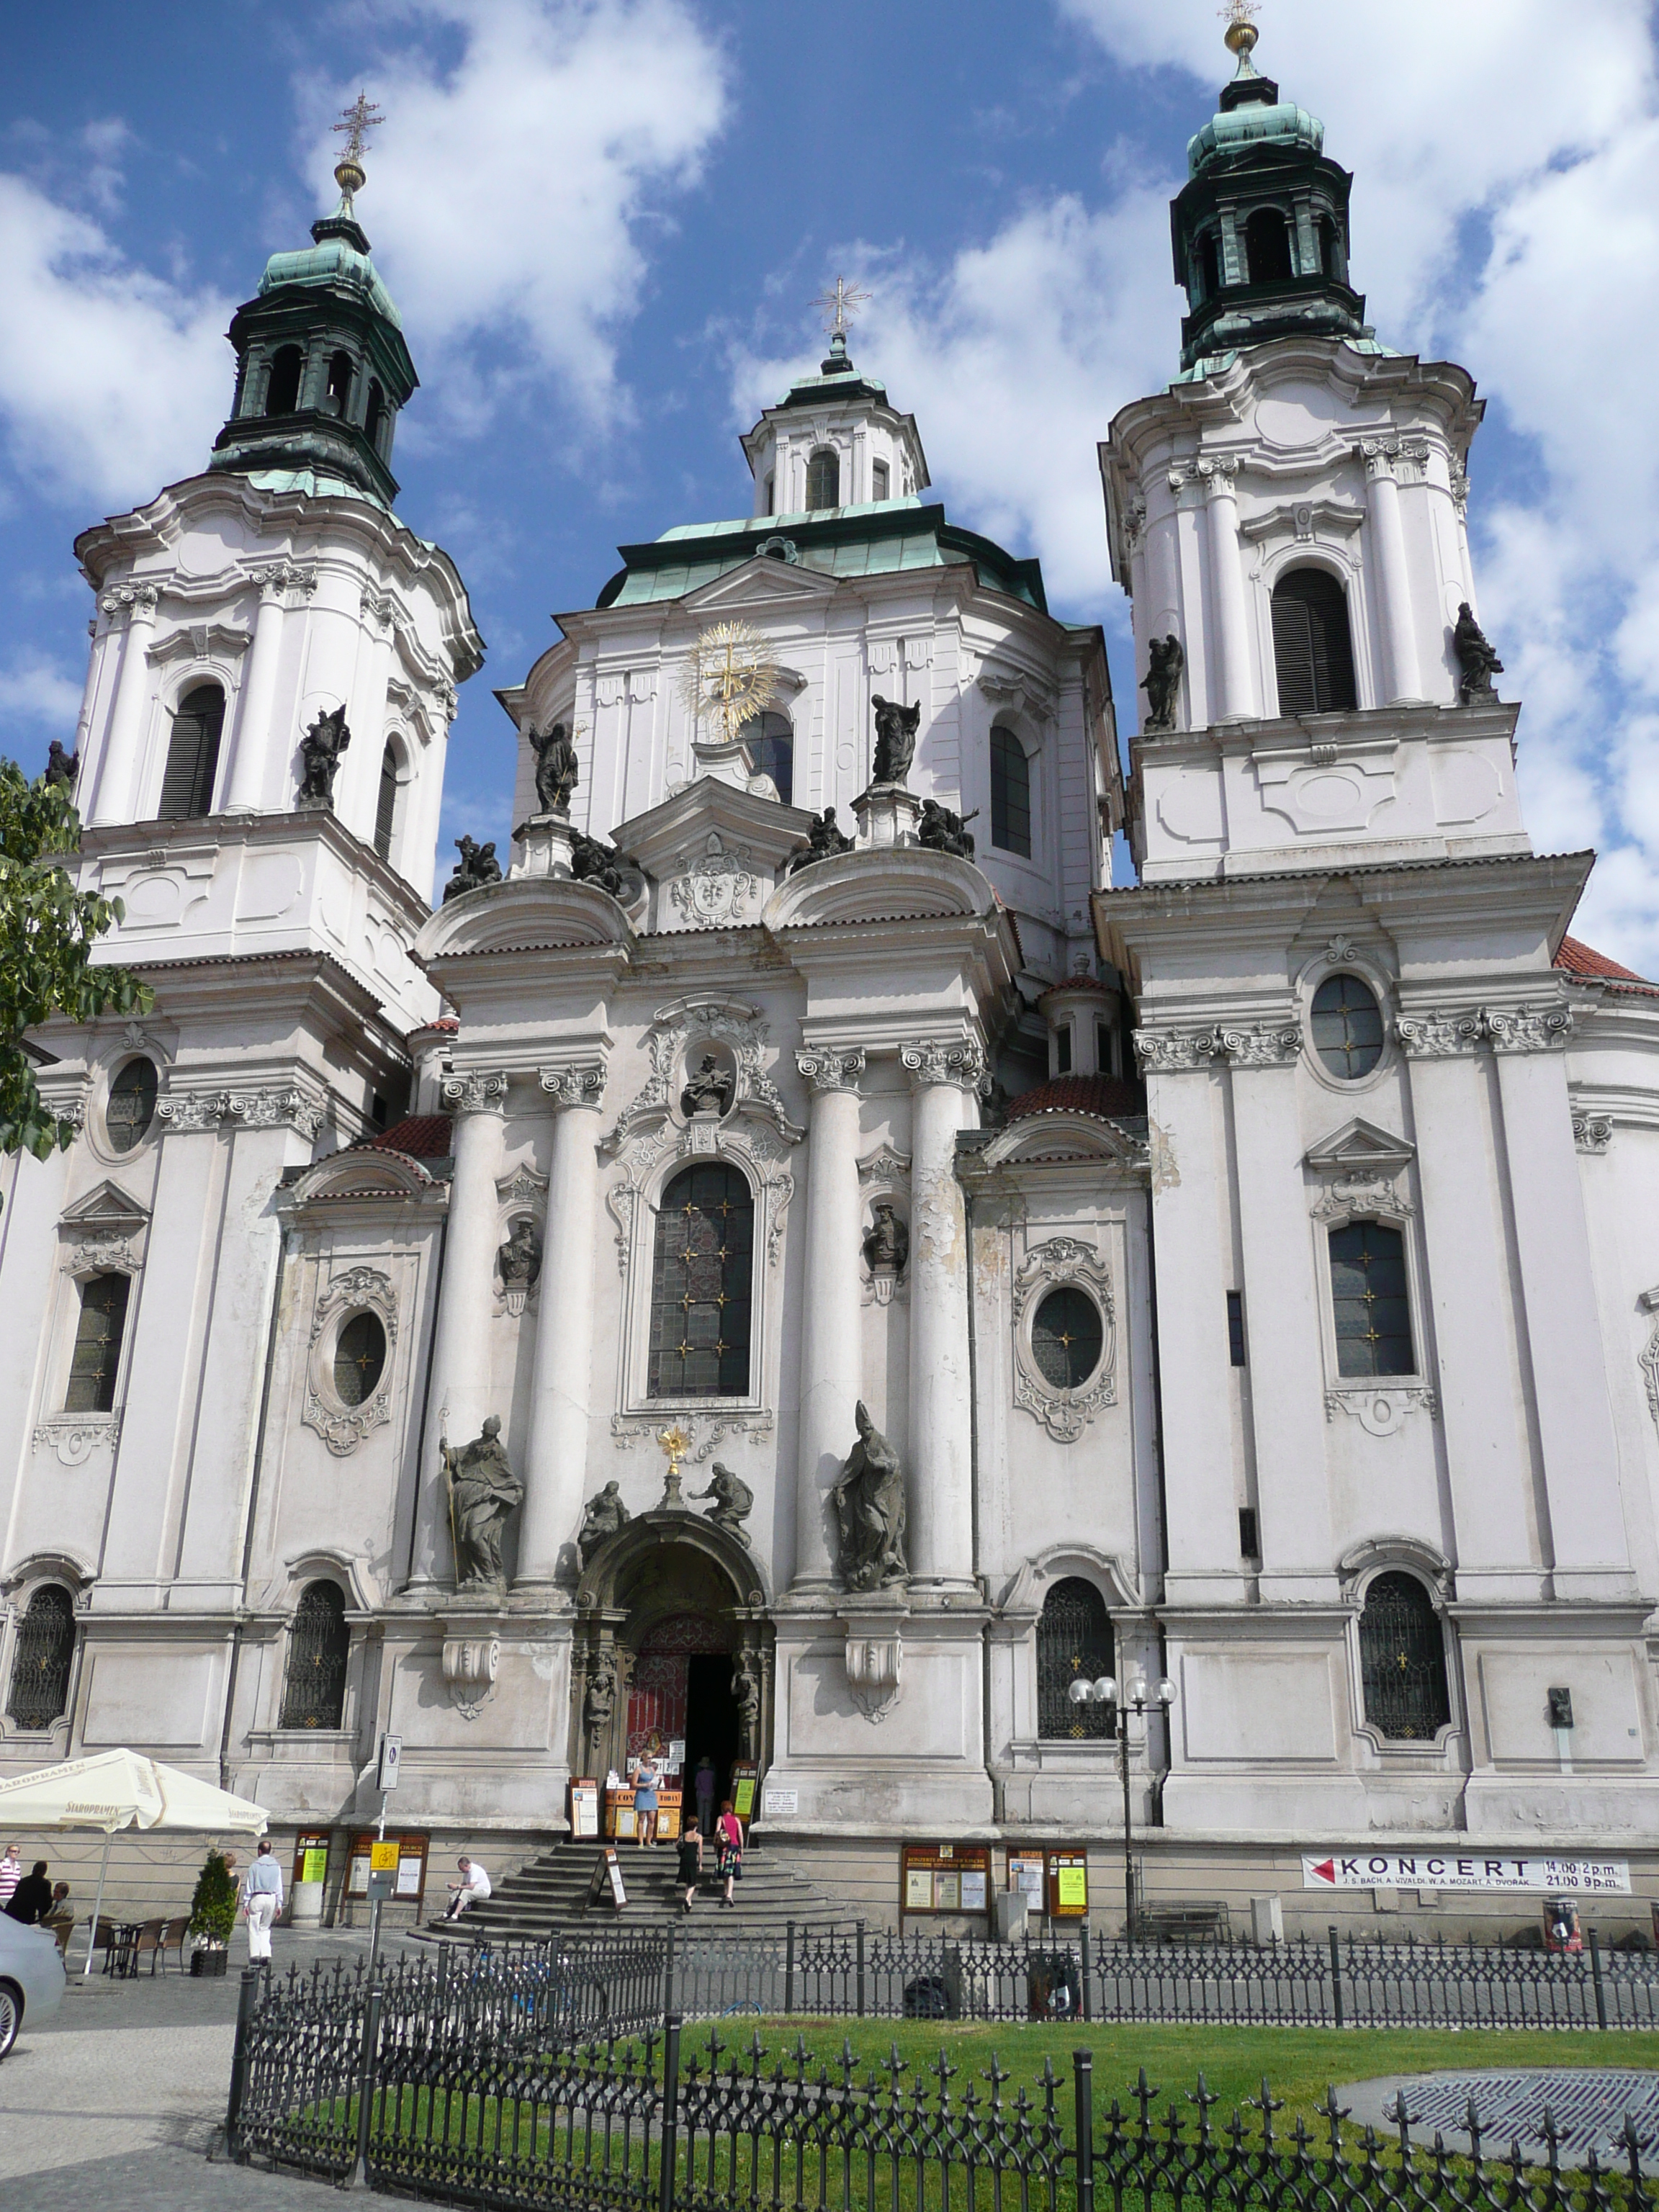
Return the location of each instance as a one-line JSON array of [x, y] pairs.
[[38, 701], [510, 187]]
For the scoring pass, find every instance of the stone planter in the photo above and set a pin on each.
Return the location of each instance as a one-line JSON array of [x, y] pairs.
[[207, 1962], [306, 1905]]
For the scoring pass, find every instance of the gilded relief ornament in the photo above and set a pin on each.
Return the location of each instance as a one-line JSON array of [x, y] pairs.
[[729, 679]]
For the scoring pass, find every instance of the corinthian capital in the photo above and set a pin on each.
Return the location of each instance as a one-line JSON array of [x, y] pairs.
[[581, 1085], [963, 1064], [831, 1070], [475, 1094]]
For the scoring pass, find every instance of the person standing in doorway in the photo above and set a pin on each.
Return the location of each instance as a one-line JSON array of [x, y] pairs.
[[11, 1873], [262, 1900], [728, 1841], [691, 1861], [705, 1786]]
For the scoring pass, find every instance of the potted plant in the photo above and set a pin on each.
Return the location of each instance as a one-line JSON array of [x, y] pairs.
[[213, 1915]]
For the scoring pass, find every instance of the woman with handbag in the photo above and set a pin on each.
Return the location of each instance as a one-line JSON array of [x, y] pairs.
[[728, 1842]]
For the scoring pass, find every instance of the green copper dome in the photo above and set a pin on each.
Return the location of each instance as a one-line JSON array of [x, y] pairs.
[[334, 259], [1234, 130]]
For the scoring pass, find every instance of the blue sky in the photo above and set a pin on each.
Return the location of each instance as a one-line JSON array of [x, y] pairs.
[[605, 222]]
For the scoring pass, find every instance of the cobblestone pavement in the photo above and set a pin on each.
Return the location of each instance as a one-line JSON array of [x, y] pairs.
[[115, 2099]]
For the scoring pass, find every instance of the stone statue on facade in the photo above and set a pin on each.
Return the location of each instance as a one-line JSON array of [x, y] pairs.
[[592, 862], [887, 1244], [476, 866], [942, 830], [708, 1093], [520, 1260], [1477, 663], [1162, 682], [734, 1501], [869, 1503], [603, 1518], [483, 1491], [746, 1692], [823, 840], [61, 767], [895, 739], [556, 770], [598, 1705], [320, 749]]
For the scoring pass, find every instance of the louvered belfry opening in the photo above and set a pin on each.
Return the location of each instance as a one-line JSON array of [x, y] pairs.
[[1313, 649], [1402, 1661], [319, 1643], [41, 1664], [1074, 1644], [193, 755]]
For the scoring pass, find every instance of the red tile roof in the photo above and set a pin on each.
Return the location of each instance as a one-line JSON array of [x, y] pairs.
[[417, 1137], [1104, 1095], [1581, 959]]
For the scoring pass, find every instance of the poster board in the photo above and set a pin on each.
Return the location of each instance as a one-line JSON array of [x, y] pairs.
[[1068, 1884], [608, 1878], [407, 1868], [584, 1809], [621, 1821], [944, 1878], [745, 1781], [311, 1856], [1027, 1877], [668, 1816]]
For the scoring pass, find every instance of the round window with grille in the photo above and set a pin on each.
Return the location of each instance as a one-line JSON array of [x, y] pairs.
[[1347, 1027], [131, 1106], [1067, 1337], [359, 1358]]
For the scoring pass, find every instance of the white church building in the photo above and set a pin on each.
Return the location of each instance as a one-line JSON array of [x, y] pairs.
[[1249, 1268]]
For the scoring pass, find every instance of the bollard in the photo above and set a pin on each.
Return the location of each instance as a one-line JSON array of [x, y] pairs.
[[1083, 2091], [246, 1997], [789, 1969], [670, 2111], [366, 2073], [1336, 1978], [1595, 1977]]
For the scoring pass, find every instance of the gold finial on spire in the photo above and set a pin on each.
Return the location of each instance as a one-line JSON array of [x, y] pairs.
[[355, 121], [1240, 34], [841, 306]]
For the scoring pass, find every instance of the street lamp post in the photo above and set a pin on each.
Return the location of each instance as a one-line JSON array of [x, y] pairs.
[[1136, 1698]]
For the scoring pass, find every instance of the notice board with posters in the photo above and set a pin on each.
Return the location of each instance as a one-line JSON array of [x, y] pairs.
[[1068, 1884], [745, 1779], [944, 1878], [408, 1887], [585, 1808], [311, 1855]]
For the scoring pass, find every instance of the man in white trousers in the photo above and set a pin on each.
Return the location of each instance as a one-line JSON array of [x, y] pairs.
[[262, 1900]]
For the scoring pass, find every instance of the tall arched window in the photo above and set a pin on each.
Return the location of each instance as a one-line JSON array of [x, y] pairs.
[[41, 1664], [385, 802], [769, 741], [319, 1645], [1209, 262], [131, 1105], [1330, 250], [283, 392], [822, 480], [1371, 1307], [337, 396], [374, 413], [1267, 245], [1313, 651], [1010, 794], [1074, 1645], [97, 1357], [192, 755], [1402, 1661], [702, 1286]]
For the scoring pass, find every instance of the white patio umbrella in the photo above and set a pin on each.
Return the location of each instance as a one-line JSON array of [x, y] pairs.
[[120, 1790]]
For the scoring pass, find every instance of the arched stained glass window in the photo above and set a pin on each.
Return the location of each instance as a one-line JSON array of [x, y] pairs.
[[97, 1357], [132, 1105], [822, 480], [41, 1664], [319, 1645], [701, 1284], [192, 755], [1368, 1295], [1074, 1644], [386, 802], [1402, 1661], [1010, 794], [1313, 649]]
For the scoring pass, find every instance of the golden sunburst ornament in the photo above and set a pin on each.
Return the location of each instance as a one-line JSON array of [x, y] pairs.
[[729, 679]]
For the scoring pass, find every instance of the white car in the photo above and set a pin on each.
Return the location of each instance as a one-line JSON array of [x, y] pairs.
[[31, 1978]]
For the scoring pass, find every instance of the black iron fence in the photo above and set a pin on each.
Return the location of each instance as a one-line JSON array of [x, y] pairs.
[[469, 2080]]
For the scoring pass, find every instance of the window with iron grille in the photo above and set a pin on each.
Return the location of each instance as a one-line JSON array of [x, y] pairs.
[[1074, 1644], [1402, 1661], [1313, 649], [1010, 794], [1067, 1338], [97, 1357], [131, 1105], [41, 1664], [359, 1358], [702, 1286], [1347, 1027], [1371, 1311], [319, 1645], [192, 755]]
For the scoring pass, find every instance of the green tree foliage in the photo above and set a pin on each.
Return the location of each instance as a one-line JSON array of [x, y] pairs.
[[213, 1908], [47, 933]]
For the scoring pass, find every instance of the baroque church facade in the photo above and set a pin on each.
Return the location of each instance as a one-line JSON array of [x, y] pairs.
[[1237, 1279]]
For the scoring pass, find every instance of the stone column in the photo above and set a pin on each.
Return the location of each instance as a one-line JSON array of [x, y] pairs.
[[1237, 685], [555, 1456], [830, 1364], [940, 1540], [118, 797], [460, 1342], [248, 777], [1400, 679]]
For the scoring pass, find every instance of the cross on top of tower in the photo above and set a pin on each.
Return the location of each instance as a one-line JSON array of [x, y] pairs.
[[355, 122], [841, 306]]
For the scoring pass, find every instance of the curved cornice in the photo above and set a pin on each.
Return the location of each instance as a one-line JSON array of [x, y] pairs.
[[540, 913], [905, 884]]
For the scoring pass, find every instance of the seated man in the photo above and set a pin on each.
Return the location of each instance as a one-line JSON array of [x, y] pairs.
[[31, 1901], [472, 1888]]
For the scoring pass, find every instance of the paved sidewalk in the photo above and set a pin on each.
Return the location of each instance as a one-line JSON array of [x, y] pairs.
[[115, 2099]]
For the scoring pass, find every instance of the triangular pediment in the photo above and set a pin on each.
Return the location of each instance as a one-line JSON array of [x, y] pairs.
[[765, 581], [108, 1207], [1360, 1146], [666, 839]]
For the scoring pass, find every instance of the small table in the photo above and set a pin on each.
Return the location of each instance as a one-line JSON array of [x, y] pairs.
[[121, 1955]]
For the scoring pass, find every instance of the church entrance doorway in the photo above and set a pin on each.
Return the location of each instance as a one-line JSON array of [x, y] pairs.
[[681, 1692]]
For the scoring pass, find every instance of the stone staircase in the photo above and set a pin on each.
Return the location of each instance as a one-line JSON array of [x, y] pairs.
[[551, 1892]]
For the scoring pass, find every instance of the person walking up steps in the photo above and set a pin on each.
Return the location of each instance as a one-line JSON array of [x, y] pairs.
[[262, 1900], [691, 1862], [728, 1836]]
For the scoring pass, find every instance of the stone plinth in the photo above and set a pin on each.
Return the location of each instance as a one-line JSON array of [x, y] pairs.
[[543, 845], [887, 817]]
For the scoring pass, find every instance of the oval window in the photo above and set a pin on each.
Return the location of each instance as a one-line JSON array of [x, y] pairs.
[[359, 1358], [132, 1106], [1066, 1338], [1347, 1027]]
